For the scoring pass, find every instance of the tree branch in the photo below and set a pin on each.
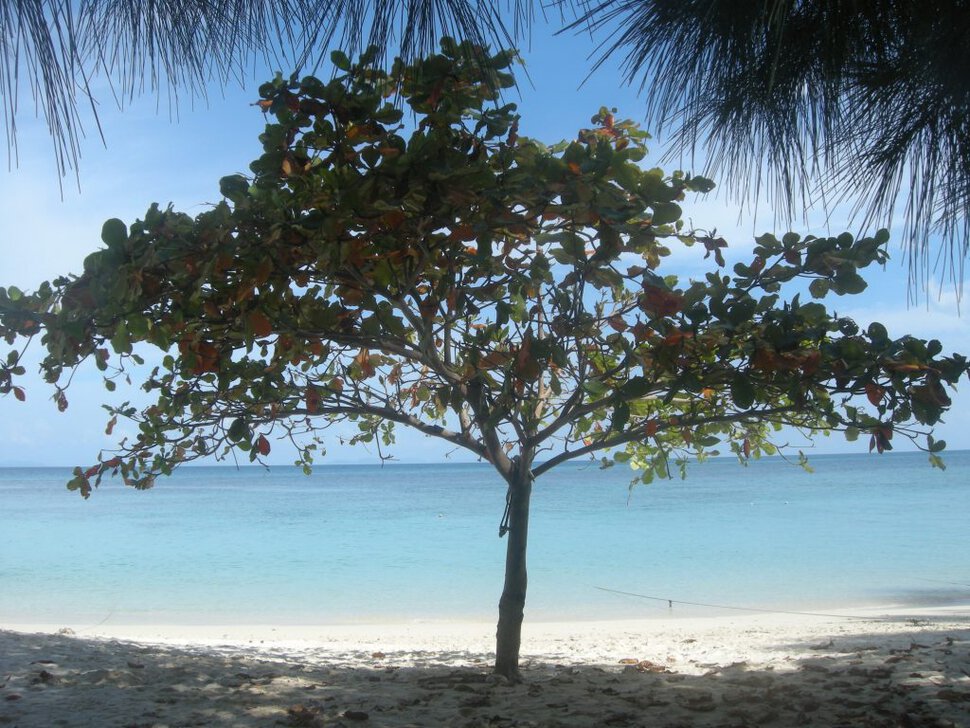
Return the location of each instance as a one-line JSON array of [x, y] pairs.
[[639, 433]]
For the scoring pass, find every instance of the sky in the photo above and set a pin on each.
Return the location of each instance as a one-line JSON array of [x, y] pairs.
[[156, 151]]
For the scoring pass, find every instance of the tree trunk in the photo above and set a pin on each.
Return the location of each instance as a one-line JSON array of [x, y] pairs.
[[512, 604]]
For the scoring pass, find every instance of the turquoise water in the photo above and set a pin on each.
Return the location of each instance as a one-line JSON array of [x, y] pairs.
[[365, 543]]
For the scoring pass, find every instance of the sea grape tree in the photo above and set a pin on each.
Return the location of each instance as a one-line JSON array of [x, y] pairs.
[[480, 287]]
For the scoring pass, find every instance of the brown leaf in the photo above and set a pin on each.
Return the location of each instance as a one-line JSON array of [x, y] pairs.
[[363, 361], [494, 359], [312, 398], [617, 323], [660, 302], [464, 233], [641, 331], [260, 324], [874, 393]]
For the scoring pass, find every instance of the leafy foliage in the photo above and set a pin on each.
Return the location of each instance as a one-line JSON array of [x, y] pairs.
[[59, 46], [863, 102], [480, 287]]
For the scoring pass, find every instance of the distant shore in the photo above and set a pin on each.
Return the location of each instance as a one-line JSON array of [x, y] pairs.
[[890, 666]]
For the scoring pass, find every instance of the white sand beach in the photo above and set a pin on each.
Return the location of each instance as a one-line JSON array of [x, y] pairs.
[[900, 668]]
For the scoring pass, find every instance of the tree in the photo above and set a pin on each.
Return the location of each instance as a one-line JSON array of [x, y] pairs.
[[479, 287]]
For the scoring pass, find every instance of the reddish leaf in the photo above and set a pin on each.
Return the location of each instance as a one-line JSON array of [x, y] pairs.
[[765, 360], [262, 445], [659, 301], [810, 362], [260, 323], [874, 393], [617, 323], [206, 358], [312, 400], [393, 219], [464, 232], [19, 393], [641, 331], [677, 336]]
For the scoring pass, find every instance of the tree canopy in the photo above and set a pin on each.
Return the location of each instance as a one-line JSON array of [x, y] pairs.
[[480, 287], [862, 104]]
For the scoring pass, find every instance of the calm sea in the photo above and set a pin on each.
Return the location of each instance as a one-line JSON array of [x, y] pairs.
[[404, 542]]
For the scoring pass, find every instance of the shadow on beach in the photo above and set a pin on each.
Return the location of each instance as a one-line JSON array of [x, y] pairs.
[[911, 678]]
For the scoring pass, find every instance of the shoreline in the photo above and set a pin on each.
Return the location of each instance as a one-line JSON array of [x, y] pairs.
[[908, 668], [245, 632]]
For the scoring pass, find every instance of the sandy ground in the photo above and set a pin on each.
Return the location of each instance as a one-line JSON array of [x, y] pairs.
[[903, 670]]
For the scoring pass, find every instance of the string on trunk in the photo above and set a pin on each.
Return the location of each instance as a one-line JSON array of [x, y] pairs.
[[503, 527]]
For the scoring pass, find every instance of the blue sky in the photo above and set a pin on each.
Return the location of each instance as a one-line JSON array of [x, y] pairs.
[[176, 153]]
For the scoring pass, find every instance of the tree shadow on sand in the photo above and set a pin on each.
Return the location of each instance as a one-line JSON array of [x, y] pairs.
[[916, 678]]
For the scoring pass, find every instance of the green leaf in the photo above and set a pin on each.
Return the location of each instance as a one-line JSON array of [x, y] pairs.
[[595, 387], [234, 187], [849, 283], [877, 332], [700, 184], [621, 415], [114, 232], [121, 341], [665, 213], [636, 387], [238, 430], [340, 60], [819, 287], [742, 391]]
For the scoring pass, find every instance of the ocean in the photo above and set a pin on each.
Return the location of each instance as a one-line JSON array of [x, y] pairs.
[[401, 543]]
